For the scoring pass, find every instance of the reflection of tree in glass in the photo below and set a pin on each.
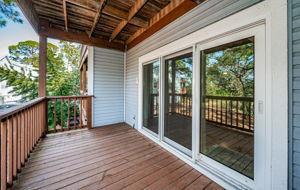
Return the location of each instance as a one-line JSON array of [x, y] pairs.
[[183, 69], [155, 70], [230, 72]]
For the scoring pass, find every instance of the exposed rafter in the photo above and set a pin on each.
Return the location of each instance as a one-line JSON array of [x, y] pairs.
[[65, 14], [47, 31], [120, 14], [89, 4], [97, 17], [27, 8], [167, 15], [135, 8]]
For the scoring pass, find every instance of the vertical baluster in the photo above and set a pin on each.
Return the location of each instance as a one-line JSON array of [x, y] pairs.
[[75, 119], [29, 130], [250, 115], [22, 139], [189, 105], [3, 154], [9, 151], [61, 114], [211, 109], [218, 110], [19, 141], [226, 111], [46, 125], [231, 110], [215, 110], [25, 134], [186, 105], [237, 113], [243, 114], [221, 111], [54, 115], [33, 129], [68, 113], [46, 116], [80, 112], [15, 146]]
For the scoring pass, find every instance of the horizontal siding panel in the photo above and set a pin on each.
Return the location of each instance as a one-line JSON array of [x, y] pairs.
[[108, 104], [296, 170]]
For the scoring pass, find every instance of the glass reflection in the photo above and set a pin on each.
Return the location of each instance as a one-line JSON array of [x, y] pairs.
[[178, 100], [227, 108], [151, 96]]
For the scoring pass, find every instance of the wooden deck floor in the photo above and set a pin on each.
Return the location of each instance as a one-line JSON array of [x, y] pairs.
[[110, 157]]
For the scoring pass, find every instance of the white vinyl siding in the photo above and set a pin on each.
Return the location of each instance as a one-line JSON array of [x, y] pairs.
[[108, 104]]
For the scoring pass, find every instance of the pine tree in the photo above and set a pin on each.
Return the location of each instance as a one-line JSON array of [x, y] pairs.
[[8, 12]]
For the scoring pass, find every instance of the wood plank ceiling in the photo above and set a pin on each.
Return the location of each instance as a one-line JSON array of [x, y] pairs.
[[103, 23]]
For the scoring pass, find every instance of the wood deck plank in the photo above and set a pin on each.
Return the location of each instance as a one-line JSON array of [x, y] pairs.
[[109, 157]]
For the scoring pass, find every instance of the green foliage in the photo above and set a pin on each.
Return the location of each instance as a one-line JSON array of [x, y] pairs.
[[230, 72], [62, 69], [8, 12], [62, 74]]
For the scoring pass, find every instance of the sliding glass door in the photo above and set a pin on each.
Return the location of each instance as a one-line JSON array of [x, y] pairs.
[[151, 96], [211, 104], [178, 101], [227, 105]]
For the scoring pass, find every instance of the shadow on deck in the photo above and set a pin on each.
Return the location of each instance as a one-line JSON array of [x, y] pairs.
[[109, 157]]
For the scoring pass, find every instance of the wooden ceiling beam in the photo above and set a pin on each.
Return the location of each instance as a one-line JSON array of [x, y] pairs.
[[65, 14], [120, 14], [97, 17], [28, 10], [167, 15], [82, 38], [134, 9]]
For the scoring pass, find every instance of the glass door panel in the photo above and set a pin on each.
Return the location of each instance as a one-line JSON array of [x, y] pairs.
[[151, 96], [178, 100], [227, 105]]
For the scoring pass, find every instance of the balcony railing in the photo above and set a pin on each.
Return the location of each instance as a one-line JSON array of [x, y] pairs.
[[233, 112], [24, 125]]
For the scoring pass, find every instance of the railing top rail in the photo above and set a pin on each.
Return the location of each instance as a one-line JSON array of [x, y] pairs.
[[217, 97], [230, 98], [11, 111], [69, 97]]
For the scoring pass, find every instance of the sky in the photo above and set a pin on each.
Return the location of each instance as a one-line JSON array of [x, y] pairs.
[[13, 33]]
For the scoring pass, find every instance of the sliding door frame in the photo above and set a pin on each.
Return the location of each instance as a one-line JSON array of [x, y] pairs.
[[258, 32], [159, 95], [267, 15]]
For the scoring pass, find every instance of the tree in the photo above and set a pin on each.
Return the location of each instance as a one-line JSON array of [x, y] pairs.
[[62, 71], [230, 72], [8, 12]]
